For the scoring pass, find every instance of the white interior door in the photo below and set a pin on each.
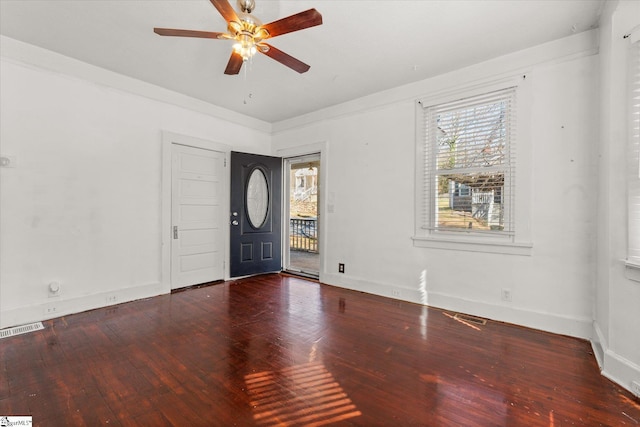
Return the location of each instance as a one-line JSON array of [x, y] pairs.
[[197, 215]]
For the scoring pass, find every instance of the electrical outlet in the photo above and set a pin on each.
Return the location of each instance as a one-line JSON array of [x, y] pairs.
[[635, 388], [112, 299], [51, 310], [506, 294], [54, 289], [395, 293], [341, 268]]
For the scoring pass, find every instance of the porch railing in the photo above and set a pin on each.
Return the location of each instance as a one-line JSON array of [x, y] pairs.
[[303, 195], [303, 234]]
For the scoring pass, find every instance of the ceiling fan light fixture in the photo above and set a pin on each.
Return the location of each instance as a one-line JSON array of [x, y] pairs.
[[245, 46], [247, 32]]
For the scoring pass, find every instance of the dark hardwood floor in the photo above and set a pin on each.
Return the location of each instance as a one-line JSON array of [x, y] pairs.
[[282, 351]]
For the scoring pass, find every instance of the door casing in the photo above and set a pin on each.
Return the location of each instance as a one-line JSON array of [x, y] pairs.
[[325, 198], [286, 199]]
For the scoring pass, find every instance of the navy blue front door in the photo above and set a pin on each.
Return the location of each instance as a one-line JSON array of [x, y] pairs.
[[255, 218]]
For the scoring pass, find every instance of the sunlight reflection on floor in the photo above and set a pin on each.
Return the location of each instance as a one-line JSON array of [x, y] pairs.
[[300, 395]]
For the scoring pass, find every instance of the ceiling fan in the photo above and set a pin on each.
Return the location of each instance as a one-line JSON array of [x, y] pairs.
[[249, 34]]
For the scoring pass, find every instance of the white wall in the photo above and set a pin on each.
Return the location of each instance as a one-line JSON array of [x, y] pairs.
[[83, 205], [371, 146], [617, 310]]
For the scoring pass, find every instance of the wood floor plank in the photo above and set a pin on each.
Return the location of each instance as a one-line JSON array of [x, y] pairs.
[[279, 350]]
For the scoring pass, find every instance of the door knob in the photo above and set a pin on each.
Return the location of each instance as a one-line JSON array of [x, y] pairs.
[[234, 222]]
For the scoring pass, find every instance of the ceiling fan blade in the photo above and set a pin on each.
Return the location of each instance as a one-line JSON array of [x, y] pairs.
[[187, 33], [226, 10], [234, 64], [299, 21], [285, 59]]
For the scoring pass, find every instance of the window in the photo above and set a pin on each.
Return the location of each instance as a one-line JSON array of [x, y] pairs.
[[469, 165], [633, 170]]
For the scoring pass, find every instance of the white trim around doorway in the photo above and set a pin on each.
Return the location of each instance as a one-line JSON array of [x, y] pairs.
[[309, 149]]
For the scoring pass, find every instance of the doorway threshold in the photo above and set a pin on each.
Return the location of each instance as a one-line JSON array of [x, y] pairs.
[[199, 285], [304, 274]]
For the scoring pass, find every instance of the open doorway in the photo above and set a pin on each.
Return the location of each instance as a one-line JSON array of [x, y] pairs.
[[302, 249]]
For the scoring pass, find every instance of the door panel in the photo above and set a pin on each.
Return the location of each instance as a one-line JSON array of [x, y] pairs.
[[256, 197], [197, 245]]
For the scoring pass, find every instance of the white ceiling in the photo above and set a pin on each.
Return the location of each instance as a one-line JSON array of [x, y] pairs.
[[362, 47]]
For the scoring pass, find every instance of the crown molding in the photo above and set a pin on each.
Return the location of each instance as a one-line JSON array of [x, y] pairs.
[[561, 50], [21, 53]]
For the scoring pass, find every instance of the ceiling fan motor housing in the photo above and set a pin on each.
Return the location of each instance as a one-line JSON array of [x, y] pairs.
[[247, 5]]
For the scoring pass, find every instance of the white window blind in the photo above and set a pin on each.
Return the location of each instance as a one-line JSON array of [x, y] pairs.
[[469, 174], [633, 169]]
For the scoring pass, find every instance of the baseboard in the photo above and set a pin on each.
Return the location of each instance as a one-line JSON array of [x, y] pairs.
[[558, 324], [598, 344], [579, 327], [57, 307], [620, 370], [613, 366], [371, 287]]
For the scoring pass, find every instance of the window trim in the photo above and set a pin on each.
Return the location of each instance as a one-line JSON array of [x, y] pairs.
[[632, 270], [516, 243], [632, 262]]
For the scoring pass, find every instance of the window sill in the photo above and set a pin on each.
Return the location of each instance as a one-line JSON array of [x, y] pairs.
[[486, 246], [632, 270]]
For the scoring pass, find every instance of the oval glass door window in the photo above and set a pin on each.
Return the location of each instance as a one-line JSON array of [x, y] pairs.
[[257, 198]]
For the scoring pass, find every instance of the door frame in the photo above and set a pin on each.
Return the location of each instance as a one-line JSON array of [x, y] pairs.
[[286, 199], [168, 140], [321, 148]]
